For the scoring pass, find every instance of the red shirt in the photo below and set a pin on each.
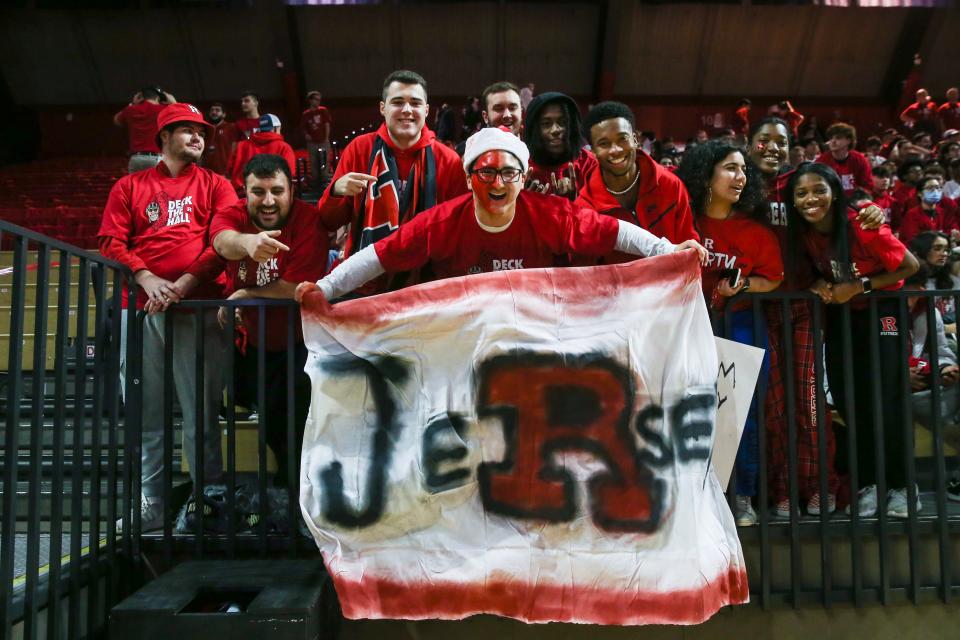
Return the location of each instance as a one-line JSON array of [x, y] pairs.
[[738, 242], [161, 223], [305, 261], [584, 164], [918, 220], [872, 251], [855, 171], [246, 127], [917, 112], [312, 122], [141, 122], [261, 142], [794, 119], [451, 181], [904, 196], [949, 113], [741, 120], [885, 202], [216, 150], [452, 240], [663, 206]]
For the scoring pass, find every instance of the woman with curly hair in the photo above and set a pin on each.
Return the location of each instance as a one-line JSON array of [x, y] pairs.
[[851, 262], [726, 191]]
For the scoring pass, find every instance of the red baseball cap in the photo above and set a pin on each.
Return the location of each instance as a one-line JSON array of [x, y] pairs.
[[180, 112]]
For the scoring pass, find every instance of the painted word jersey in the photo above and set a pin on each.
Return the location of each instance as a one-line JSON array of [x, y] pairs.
[[531, 443], [165, 220]]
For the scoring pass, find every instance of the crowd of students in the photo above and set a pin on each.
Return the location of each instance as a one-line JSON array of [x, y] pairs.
[[544, 184]]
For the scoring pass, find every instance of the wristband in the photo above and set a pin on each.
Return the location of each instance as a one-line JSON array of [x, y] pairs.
[[746, 285], [866, 285]]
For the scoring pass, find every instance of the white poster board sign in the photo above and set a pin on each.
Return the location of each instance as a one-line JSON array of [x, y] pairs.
[[736, 382]]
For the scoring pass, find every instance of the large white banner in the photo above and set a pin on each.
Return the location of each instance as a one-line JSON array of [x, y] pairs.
[[533, 444]]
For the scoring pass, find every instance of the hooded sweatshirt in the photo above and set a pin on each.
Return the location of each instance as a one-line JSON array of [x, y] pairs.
[[260, 142], [545, 168], [663, 206]]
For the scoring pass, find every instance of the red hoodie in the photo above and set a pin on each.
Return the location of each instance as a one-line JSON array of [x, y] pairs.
[[663, 206], [336, 211], [260, 142]]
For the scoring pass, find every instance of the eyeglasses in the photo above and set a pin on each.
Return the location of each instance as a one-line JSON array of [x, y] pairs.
[[507, 174]]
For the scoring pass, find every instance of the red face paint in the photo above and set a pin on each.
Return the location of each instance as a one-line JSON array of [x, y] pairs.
[[496, 197]]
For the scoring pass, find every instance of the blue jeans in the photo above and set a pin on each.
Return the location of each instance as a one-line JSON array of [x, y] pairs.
[[742, 330]]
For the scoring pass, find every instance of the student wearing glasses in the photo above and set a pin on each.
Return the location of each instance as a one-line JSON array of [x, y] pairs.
[[497, 226]]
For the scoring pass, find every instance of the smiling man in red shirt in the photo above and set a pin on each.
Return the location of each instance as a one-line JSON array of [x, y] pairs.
[[385, 178], [156, 223], [851, 165], [272, 241], [630, 185]]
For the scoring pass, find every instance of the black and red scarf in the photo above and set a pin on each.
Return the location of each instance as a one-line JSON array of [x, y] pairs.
[[388, 202]]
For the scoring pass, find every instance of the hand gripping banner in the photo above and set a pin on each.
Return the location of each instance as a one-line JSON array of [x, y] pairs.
[[532, 444]]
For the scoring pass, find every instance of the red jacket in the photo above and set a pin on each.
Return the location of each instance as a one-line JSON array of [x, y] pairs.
[[261, 142], [917, 220], [663, 206], [336, 211]]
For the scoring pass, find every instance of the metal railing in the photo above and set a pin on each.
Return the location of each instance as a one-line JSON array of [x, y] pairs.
[[63, 455], [859, 559], [73, 443]]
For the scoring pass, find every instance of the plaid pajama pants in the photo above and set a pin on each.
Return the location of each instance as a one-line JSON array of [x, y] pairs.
[[805, 405]]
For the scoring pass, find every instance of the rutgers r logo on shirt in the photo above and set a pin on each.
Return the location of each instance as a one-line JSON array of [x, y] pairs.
[[888, 326]]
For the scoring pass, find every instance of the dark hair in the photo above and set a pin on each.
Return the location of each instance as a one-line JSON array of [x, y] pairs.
[[946, 146], [744, 102], [797, 226], [497, 87], [881, 171], [252, 94], [607, 111], [774, 120], [533, 138], [920, 246], [217, 104], [845, 130], [920, 135], [905, 167], [919, 279], [696, 171], [403, 76], [874, 141], [151, 92], [266, 165]]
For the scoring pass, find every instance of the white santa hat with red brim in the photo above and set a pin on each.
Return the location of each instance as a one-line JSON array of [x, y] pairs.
[[495, 139]]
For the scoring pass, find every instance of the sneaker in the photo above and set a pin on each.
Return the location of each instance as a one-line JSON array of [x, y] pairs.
[[897, 503], [867, 499], [151, 515], [743, 512], [813, 507], [953, 490], [783, 508]]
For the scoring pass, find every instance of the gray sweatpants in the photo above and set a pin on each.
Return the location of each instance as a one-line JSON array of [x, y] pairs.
[[185, 353]]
